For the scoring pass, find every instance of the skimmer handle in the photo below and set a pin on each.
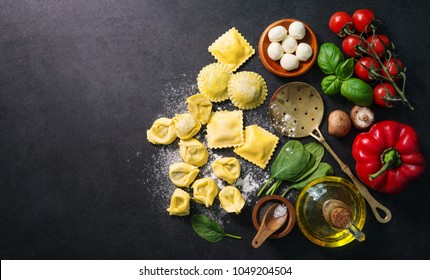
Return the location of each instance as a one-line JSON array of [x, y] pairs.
[[382, 213]]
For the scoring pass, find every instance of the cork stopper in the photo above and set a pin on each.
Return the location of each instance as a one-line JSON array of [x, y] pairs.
[[337, 213], [340, 217]]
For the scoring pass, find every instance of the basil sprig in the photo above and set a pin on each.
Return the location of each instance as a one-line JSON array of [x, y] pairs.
[[331, 62], [209, 229]]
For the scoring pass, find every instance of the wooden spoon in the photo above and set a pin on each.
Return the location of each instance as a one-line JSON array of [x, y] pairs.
[[269, 225]]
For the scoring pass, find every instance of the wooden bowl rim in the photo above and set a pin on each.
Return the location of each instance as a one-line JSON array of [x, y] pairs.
[[291, 221]]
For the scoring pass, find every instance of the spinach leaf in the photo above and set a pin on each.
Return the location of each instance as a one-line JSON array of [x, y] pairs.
[[290, 162], [310, 165], [317, 151], [345, 70], [208, 229], [331, 85], [329, 57], [324, 169], [357, 91]]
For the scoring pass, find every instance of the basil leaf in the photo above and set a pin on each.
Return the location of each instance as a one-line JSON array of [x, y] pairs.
[[331, 85], [357, 91], [207, 228], [329, 57], [290, 162], [345, 70], [317, 151], [324, 169]]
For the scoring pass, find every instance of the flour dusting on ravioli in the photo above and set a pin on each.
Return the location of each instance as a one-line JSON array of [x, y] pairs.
[[247, 90]]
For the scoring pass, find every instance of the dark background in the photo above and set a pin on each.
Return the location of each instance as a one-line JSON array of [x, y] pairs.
[[82, 81]]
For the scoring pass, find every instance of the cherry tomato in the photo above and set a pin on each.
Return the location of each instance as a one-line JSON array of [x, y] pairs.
[[349, 44], [363, 65], [381, 91], [380, 43], [394, 67], [339, 21], [362, 19]]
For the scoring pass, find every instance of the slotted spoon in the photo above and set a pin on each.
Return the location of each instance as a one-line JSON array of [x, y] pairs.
[[296, 110]]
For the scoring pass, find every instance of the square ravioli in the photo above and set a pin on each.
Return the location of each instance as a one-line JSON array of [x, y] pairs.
[[258, 147], [225, 129], [231, 49]]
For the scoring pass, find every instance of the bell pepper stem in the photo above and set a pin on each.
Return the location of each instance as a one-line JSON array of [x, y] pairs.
[[390, 159], [384, 168]]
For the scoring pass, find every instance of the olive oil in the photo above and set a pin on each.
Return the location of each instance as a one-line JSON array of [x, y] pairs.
[[310, 210]]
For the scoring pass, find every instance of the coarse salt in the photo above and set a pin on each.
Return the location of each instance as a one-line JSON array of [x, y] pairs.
[[280, 211]]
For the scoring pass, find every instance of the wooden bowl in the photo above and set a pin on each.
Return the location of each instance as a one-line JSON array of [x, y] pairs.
[[261, 207], [275, 66]]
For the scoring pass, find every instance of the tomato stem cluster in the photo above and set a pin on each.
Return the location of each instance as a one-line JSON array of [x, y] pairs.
[[375, 73]]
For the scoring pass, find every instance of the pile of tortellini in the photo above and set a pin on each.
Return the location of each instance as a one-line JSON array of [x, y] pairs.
[[216, 83], [194, 155]]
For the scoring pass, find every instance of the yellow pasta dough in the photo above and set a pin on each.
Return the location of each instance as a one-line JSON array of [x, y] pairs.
[[186, 125], [225, 129], [231, 199], [192, 151], [231, 49], [259, 145], [200, 107], [179, 203], [212, 81], [182, 174], [162, 132], [227, 169], [247, 90], [205, 191]]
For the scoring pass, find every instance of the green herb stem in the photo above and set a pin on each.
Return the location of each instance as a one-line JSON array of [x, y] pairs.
[[265, 186], [233, 236], [274, 187], [287, 190]]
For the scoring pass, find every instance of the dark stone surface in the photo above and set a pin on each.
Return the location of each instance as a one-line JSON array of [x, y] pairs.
[[82, 81]]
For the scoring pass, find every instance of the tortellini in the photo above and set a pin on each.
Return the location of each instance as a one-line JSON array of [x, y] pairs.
[[205, 191], [183, 174], [200, 107], [227, 169], [231, 49], [179, 203], [259, 145], [212, 81], [225, 129], [186, 125], [231, 199], [162, 132], [192, 151], [247, 90]]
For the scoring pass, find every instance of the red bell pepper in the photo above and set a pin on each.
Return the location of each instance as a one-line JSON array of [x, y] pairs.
[[388, 156]]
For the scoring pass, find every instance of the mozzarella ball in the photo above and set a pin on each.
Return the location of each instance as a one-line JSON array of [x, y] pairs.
[[275, 51], [289, 44], [303, 51], [289, 62], [297, 30], [277, 33]]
